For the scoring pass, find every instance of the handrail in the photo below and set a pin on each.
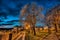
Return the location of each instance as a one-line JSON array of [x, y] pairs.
[[16, 36]]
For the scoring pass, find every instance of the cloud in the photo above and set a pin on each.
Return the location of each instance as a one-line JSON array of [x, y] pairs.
[[1, 21], [10, 9], [11, 20]]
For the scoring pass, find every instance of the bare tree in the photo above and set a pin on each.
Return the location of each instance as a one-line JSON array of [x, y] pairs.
[[53, 17], [31, 13]]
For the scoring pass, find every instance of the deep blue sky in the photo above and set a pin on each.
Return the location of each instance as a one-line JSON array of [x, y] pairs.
[[10, 9]]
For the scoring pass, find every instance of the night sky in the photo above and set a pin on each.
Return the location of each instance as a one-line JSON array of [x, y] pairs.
[[10, 10]]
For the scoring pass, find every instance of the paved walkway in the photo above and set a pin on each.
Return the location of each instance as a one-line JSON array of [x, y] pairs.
[[52, 36]]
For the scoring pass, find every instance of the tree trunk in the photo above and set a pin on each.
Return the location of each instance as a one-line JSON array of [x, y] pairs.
[[49, 30], [56, 27], [34, 30]]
